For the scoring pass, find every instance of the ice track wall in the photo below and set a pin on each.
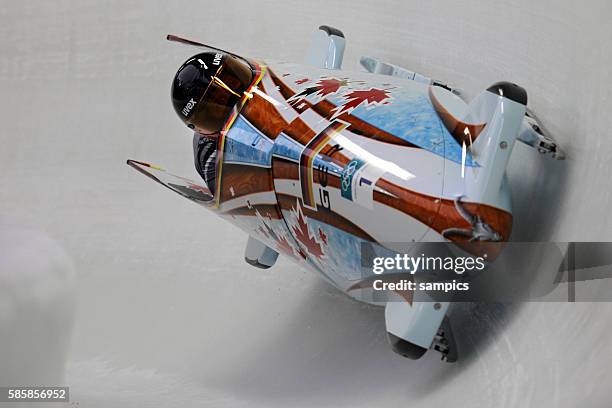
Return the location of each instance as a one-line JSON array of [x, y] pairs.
[[168, 313]]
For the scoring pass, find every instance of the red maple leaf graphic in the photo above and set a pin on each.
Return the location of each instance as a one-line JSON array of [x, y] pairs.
[[321, 89], [322, 236], [264, 228], [196, 187], [283, 245], [329, 86], [371, 97], [302, 234], [301, 81]]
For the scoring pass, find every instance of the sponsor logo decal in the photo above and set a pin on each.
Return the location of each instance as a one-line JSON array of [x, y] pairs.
[[357, 182], [187, 109], [346, 179], [217, 59]]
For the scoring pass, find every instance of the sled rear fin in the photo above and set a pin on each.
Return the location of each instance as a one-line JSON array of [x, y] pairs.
[[460, 130], [194, 191], [326, 48]]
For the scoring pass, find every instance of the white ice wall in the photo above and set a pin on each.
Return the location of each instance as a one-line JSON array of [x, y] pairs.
[[166, 300]]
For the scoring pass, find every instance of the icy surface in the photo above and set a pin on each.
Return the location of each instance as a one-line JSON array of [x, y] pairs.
[[37, 303], [168, 312]]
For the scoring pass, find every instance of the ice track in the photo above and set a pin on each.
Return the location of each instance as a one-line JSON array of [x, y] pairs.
[[168, 313]]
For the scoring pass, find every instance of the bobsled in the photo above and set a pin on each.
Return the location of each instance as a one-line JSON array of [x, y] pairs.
[[313, 162]]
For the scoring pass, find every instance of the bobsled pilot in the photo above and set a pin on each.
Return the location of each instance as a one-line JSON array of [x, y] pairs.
[[204, 92]]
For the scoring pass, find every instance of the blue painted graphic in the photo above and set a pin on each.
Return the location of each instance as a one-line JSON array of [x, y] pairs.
[[288, 148], [245, 144]]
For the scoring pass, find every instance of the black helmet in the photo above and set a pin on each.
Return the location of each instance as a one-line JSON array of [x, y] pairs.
[[207, 87]]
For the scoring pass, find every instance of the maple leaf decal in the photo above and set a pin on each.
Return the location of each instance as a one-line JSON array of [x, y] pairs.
[[370, 97], [322, 236], [320, 90], [191, 191], [282, 243], [330, 86], [198, 188], [285, 246], [301, 81], [267, 231], [303, 236]]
